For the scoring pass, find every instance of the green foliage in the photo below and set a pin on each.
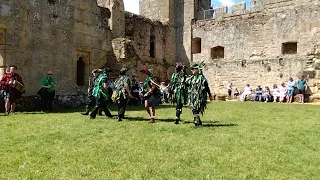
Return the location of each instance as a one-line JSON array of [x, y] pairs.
[[238, 141]]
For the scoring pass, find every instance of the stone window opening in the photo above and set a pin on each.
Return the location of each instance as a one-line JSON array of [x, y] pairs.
[[80, 72], [217, 52], [196, 45], [289, 48], [152, 47], [52, 2]]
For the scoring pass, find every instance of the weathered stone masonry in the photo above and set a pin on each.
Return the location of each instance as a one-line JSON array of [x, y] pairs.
[[261, 46], [72, 37]]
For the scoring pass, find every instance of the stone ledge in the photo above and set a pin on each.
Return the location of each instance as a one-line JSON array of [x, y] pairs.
[[33, 103]]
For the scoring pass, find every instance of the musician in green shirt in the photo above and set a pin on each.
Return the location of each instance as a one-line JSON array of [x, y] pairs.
[[49, 90]]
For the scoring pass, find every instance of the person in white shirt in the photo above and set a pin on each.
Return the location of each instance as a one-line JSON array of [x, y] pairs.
[[275, 92], [247, 91], [229, 89], [282, 92]]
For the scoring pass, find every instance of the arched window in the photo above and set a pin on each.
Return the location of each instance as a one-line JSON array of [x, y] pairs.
[[80, 72], [217, 52]]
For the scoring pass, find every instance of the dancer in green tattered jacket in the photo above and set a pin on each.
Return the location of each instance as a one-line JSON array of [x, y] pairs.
[[198, 91], [178, 89], [101, 95], [122, 92]]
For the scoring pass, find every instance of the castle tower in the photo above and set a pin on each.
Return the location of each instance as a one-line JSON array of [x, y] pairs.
[[117, 19], [162, 10]]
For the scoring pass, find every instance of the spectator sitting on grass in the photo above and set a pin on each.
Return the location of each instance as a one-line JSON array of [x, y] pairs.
[[247, 91], [236, 93], [258, 94], [275, 92], [283, 92], [267, 94]]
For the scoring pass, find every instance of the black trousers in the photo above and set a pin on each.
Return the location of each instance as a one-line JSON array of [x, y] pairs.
[[47, 100], [179, 110], [100, 104], [134, 101], [122, 105], [91, 102]]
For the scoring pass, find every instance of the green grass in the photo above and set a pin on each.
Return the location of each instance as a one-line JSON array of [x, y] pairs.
[[239, 141]]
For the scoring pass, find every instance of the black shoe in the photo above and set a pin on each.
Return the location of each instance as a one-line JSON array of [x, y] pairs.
[[119, 119], [200, 123], [110, 116], [92, 117], [85, 113], [196, 125]]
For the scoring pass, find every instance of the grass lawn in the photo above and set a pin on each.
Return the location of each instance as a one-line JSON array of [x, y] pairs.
[[238, 141]]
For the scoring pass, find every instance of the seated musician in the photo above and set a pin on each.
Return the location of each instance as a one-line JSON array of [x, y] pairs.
[[14, 84]]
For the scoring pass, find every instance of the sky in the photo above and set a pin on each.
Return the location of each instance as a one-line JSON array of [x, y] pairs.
[[133, 5]]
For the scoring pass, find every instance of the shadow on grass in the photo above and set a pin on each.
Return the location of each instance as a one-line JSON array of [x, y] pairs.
[[205, 123], [112, 107]]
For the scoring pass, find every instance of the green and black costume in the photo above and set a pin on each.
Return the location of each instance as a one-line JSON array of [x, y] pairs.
[[153, 98], [198, 91], [101, 95], [120, 95], [178, 90], [91, 101]]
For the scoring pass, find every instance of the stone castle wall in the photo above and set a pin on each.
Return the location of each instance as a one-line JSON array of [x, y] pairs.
[[140, 32], [52, 35], [253, 44], [155, 9]]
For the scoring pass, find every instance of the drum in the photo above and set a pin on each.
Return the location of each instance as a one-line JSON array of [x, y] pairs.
[[17, 85]]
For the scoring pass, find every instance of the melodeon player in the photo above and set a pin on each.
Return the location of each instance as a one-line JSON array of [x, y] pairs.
[[14, 87]]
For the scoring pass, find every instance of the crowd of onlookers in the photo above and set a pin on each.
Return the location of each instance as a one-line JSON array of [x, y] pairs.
[[284, 93]]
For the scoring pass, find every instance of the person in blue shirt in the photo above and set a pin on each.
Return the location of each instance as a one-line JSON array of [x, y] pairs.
[[258, 93], [291, 85], [301, 85]]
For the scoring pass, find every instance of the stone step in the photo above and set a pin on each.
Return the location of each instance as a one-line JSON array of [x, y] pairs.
[[315, 98]]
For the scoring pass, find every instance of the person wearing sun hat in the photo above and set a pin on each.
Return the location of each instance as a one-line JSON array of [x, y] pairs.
[[49, 90], [151, 94], [91, 101], [100, 93], [198, 91], [178, 89]]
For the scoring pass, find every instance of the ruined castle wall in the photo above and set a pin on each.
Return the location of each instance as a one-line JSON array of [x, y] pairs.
[[155, 9], [43, 35], [141, 32], [252, 41]]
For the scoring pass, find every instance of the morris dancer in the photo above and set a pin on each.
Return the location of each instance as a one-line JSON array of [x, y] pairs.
[[122, 92], [91, 101], [198, 91], [151, 94], [178, 89], [100, 93]]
